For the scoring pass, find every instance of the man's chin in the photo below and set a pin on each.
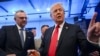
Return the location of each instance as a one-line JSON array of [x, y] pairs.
[[60, 20], [23, 25]]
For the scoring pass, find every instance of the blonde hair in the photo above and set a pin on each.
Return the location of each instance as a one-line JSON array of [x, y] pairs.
[[56, 4]]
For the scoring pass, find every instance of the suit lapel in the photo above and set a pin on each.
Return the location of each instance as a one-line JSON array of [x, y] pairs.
[[16, 34], [27, 39], [49, 38], [50, 33], [63, 33]]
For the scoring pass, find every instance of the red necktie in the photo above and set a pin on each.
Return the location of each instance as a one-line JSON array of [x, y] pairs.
[[53, 43]]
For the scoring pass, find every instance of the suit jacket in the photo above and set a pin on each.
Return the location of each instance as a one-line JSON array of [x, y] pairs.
[[10, 41], [71, 39]]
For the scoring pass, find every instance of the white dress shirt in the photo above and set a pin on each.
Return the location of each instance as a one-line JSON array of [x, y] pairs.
[[60, 29], [23, 31]]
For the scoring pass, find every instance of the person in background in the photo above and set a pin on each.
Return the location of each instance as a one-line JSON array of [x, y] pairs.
[[43, 29], [39, 40], [33, 30], [14, 39]]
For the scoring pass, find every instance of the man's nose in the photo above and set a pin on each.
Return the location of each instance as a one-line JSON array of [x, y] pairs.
[[58, 11]]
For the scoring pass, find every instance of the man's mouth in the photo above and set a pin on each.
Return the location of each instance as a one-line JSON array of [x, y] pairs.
[[58, 16]]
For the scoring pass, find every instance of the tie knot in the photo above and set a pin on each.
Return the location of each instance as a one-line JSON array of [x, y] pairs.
[[22, 29], [57, 26]]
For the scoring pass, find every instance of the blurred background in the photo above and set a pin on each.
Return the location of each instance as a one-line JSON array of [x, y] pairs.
[[38, 11]]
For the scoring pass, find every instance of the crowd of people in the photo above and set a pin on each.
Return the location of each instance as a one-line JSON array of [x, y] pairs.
[[62, 39]]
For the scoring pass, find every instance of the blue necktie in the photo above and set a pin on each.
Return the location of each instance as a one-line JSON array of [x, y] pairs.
[[22, 37]]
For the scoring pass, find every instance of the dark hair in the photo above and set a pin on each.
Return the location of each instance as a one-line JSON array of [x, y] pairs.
[[44, 26]]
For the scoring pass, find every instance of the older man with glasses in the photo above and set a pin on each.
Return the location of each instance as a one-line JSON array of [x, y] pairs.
[[14, 39]]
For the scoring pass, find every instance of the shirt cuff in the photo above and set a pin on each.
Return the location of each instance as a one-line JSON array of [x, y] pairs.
[[94, 42]]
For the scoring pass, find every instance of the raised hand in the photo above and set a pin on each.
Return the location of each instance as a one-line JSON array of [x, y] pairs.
[[93, 33]]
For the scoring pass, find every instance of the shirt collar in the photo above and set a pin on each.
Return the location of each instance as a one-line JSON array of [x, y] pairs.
[[19, 27], [61, 25]]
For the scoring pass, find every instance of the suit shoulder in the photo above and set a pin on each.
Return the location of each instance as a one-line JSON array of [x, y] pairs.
[[8, 27], [74, 25]]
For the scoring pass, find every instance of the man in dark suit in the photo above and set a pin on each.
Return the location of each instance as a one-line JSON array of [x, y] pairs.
[[70, 37], [11, 42]]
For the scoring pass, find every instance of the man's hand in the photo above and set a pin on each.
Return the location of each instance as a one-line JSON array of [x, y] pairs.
[[33, 53], [93, 33], [95, 53]]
